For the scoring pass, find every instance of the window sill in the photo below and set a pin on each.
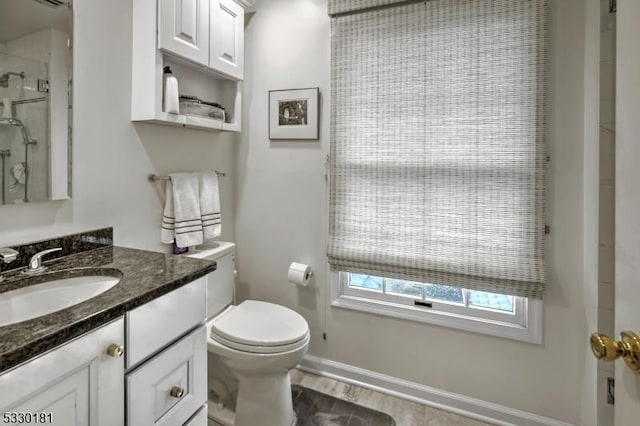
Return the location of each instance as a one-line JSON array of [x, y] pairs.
[[530, 334]]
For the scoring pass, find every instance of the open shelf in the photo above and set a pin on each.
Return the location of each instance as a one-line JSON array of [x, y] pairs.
[[194, 122]]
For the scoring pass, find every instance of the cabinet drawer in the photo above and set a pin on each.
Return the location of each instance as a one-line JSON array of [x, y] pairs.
[[161, 321], [200, 419], [170, 387]]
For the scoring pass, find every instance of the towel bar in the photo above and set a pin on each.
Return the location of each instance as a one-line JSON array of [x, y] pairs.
[[153, 178]]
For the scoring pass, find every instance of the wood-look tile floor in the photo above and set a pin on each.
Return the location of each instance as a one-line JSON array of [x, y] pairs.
[[405, 413]]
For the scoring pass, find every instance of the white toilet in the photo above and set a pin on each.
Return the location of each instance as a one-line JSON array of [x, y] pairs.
[[252, 347]]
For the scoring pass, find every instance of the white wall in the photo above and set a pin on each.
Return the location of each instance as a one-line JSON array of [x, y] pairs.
[[282, 215], [280, 191], [112, 156]]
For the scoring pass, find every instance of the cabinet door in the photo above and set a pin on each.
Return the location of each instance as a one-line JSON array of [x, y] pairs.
[[64, 403], [75, 384], [183, 29], [227, 38]]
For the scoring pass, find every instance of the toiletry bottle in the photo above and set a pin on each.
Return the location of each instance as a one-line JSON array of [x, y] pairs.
[[171, 103]]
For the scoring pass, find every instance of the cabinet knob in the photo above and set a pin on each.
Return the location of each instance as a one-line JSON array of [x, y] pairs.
[[115, 351], [176, 392]]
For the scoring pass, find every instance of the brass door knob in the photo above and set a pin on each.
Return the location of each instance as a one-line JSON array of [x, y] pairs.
[[115, 351], [176, 392], [608, 349]]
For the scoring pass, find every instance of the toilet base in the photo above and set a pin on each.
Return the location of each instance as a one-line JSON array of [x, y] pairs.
[[264, 399], [226, 417], [220, 416]]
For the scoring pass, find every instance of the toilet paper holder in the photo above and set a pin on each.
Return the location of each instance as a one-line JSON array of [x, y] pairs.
[[300, 274]]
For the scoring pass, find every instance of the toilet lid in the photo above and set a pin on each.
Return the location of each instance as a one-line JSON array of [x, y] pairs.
[[256, 323]]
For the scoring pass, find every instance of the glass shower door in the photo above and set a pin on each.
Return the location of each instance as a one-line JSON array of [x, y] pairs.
[[24, 129]]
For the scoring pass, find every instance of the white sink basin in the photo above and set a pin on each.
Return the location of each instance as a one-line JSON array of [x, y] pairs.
[[50, 296]]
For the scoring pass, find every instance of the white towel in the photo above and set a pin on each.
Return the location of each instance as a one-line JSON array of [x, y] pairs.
[[181, 219], [210, 205]]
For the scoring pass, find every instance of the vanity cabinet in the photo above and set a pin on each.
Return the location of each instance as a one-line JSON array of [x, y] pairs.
[[79, 383], [157, 352], [203, 43]]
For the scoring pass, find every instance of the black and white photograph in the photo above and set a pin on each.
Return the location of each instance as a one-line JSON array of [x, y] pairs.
[[293, 114]]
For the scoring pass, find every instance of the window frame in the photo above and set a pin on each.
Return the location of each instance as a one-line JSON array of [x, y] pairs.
[[526, 325]]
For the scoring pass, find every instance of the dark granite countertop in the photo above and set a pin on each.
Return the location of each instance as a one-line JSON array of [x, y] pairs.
[[145, 276]]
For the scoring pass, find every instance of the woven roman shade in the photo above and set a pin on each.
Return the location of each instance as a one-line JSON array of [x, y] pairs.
[[438, 162], [337, 7]]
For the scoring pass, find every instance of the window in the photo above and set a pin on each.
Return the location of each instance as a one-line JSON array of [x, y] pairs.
[[488, 313], [471, 303], [438, 158]]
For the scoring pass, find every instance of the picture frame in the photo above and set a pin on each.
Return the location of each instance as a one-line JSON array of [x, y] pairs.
[[294, 114]]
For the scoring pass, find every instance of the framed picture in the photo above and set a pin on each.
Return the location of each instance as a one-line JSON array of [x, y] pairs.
[[293, 114]]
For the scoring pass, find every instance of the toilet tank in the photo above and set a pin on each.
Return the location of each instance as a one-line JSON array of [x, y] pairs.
[[221, 282]]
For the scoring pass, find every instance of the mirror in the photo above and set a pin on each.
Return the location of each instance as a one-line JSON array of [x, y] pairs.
[[35, 100]]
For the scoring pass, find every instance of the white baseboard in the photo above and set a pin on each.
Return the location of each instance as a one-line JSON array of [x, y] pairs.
[[443, 400]]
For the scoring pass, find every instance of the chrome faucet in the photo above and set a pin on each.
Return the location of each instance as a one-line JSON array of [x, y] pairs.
[[7, 255], [35, 264]]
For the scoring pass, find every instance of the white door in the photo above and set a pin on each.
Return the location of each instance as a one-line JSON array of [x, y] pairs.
[[227, 38], [183, 29], [627, 388]]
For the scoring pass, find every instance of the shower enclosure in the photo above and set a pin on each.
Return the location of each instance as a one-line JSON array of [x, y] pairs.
[[24, 125]]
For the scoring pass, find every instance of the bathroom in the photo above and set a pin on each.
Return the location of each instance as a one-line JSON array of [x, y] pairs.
[[274, 207]]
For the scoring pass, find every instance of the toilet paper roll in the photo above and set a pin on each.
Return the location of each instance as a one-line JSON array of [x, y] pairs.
[[300, 274]]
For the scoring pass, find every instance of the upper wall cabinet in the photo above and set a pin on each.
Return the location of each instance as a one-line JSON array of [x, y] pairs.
[[207, 32], [184, 29], [226, 42], [203, 43]]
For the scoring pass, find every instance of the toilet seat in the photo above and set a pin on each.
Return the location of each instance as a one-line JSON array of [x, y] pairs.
[[260, 327], [261, 350]]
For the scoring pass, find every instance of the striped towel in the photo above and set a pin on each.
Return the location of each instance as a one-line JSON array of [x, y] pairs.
[[210, 205], [182, 219]]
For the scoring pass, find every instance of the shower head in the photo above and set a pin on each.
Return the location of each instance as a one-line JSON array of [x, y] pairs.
[[4, 78], [26, 139]]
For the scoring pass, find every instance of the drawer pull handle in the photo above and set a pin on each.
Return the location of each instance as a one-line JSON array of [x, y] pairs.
[[176, 392], [115, 351]]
